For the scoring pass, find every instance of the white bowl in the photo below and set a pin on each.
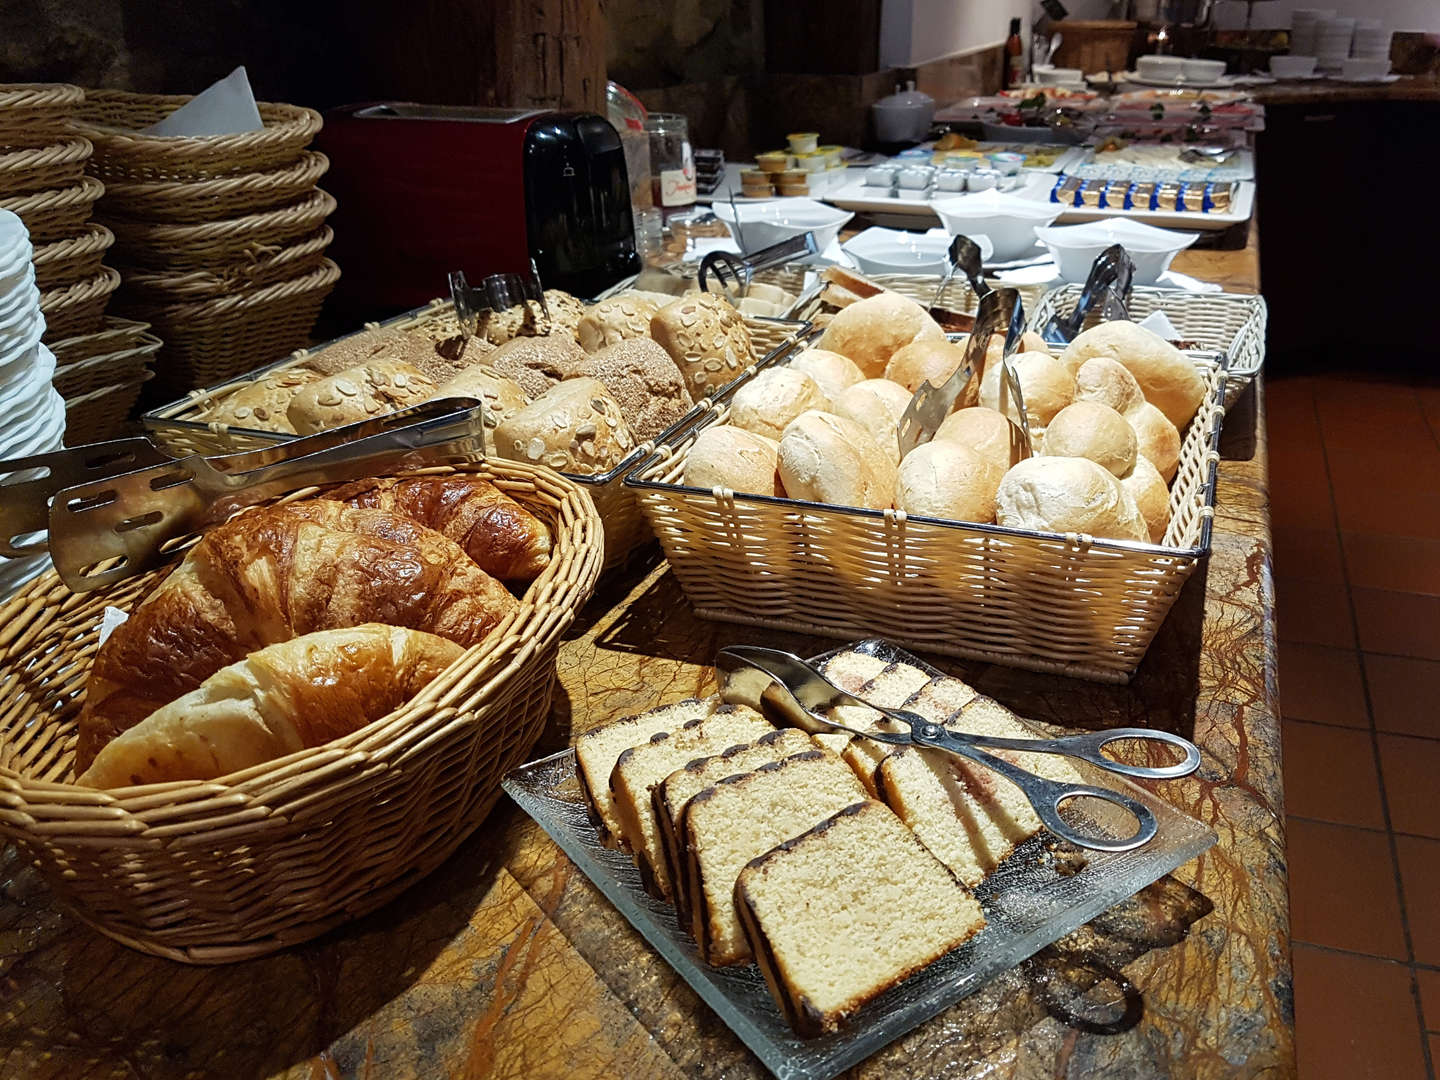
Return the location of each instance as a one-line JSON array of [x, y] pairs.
[[1008, 220], [765, 223], [1292, 67], [1076, 246], [1202, 70], [1161, 67], [1058, 76], [895, 251], [1362, 68]]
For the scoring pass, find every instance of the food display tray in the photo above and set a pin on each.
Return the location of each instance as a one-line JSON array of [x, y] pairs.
[[1033, 899]]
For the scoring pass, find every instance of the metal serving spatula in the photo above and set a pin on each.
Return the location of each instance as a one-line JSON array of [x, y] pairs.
[[1112, 269]]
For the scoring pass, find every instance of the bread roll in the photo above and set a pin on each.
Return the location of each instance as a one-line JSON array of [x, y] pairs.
[[706, 337], [574, 427], [1045, 381], [527, 319], [1108, 382], [768, 402], [871, 331], [1168, 380], [645, 382], [280, 699], [412, 347], [832, 372], [376, 388], [619, 318], [731, 457], [826, 458], [877, 405], [943, 479], [1090, 430], [1033, 342], [984, 431], [1068, 495], [264, 403], [503, 397], [538, 363], [924, 361], [1147, 488], [1156, 439]]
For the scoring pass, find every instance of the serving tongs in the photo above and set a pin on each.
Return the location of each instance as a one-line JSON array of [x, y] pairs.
[[760, 677], [734, 273], [1110, 277], [94, 516], [496, 292], [964, 255]]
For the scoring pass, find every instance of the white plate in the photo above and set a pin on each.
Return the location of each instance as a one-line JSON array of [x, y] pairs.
[[897, 251], [1034, 255], [1223, 83], [38, 432], [1377, 79]]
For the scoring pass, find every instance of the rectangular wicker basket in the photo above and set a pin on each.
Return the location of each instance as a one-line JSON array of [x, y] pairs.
[[176, 428], [1066, 604]]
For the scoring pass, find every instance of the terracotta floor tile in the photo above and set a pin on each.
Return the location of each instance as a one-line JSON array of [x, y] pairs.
[[1411, 772], [1354, 1018], [1429, 997], [1405, 624], [1305, 502], [1306, 553], [1404, 694], [1420, 876], [1342, 889], [1330, 774], [1390, 562], [1314, 612], [1321, 684], [1415, 468], [1388, 511]]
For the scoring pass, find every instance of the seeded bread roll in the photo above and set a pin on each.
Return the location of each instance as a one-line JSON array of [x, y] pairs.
[[1156, 439], [373, 389], [706, 337], [368, 346], [538, 363], [262, 405], [575, 427], [1108, 382], [733, 458], [503, 397], [566, 311], [1068, 495], [641, 376], [768, 402], [833, 373], [946, 480], [1147, 487], [619, 318], [924, 361], [983, 430], [1090, 430], [871, 331], [831, 459], [528, 319], [1045, 382], [876, 405], [1168, 380]]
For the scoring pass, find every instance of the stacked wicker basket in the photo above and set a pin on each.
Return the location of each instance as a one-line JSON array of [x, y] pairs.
[[221, 239]]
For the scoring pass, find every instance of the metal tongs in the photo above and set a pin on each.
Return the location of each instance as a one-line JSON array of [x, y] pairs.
[[96, 506], [496, 292], [1109, 283], [965, 255], [734, 272], [756, 676]]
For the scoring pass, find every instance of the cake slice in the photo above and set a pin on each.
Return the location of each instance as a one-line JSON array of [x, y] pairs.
[[891, 687], [596, 753], [670, 795], [744, 816], [937, 699], [843, 912], [640, 768], [850, 671]]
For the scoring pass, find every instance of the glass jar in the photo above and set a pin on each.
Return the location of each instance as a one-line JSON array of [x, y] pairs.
[[672, 162]]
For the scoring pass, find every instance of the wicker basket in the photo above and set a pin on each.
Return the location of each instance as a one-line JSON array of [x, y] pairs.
[[212, 872], [112, 120], [102, 414], [210, 244], [73, 259], [234, 196], [1095, 45], [79, 308], [107, 369], [958, 295], [59, 165], [35, 114], [57, 213], [115, 335], [147, 286], [1071, 605]]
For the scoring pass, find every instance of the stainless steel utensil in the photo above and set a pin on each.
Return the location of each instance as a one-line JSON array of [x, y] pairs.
[[496, 292], [761, 677], [1111, 266], [1208, 155], [964, 254], [733, 273]]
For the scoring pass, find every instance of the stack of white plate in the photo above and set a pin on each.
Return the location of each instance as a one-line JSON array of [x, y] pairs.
[[1332, 42], [1304, 31], [34, 414], [1371, 41]]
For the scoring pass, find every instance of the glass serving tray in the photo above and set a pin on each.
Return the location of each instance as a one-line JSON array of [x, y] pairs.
[[1037, 896]]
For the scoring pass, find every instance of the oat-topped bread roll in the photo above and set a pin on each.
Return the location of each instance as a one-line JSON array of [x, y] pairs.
[[1068, 495], [833, 373], [1090, 430], [503, 397], [644, 380], [707, 337], [283, 698], [768, 402], [528, 319], [375, 388], [985, 431], [1168, 380], [871, 331], [575, 427], [619, 318], [831, 459], [262, 405], [731, 457], [538, 363], [566, 311]]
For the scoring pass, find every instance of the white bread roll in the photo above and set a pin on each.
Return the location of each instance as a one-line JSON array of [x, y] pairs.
[[877, 405], [831, 459], [774, 397], [832, 372], [1045, 381], [1147, 488], [1156, 439], [731, 457], [983, 430], [1110, 383], [943, 479], [1029, 342], [1033, 342], [924, 361], [1090, 430], [871, 331], [1068, 495], [1168, 380]]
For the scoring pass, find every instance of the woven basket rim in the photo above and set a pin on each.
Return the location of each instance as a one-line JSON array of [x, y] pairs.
[[23, 95], [322, 277], [96, 237], [65, 150], [319, 204], [87, 190], [91, 396], [101, 284], [161, 280], [284, 124], [114, 324], [311, 165], [149, 346]]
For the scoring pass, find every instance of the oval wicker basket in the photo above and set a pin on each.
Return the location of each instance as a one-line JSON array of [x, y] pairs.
[[203, 246], [172, 287], [58, 165], [114, 335], [73, 259], [56, 213], [105, 370], [79, 308], [104, 413], [36, 114], [221, 197], [112, 120], [210, 871]]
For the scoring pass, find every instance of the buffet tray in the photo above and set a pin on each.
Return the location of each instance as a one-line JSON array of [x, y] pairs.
[[1032, 900]]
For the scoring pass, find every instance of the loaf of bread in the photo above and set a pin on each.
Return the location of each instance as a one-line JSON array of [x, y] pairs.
[[282, 698], [733, 458], [358, 393], [576, 426], [1090, 430], [832, 372], [1168, 380], [706, 337], [942, 479], [1108, 382], [538, 363], [871, 331], [1068, 495], [620, 318], [924, 361], [1156, 439], [1147, 487], [1045, 382], [853, 872], [985, 431], [768, 402], [501, 396], [644, 382], [831, 459], [263, 405], [877, 405]]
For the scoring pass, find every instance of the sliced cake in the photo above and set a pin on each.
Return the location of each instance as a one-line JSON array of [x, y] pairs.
[[938, 698], [850, 671], [597, 751], [640, 768], [833, 915], [744, 816]]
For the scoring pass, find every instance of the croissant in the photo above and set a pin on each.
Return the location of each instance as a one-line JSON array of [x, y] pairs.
[[503, 538], [272, 575], [283, 698]]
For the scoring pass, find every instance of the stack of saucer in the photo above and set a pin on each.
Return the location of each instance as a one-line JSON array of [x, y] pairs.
[[1332, 43], [1371, 41]]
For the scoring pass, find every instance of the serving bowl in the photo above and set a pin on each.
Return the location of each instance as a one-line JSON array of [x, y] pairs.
[[762, 224], [1292, 67], [1202, 70], [1076, 246], [1008, 220], [895, 251]]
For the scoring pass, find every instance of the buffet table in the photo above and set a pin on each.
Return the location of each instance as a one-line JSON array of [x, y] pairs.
[[507, 962]]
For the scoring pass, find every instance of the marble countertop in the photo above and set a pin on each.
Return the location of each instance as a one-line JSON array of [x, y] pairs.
[[1321, 91]]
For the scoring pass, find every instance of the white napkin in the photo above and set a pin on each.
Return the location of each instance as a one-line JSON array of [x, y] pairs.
[[224, 108], [1158, 323], [1047, 272], [110, 620]]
